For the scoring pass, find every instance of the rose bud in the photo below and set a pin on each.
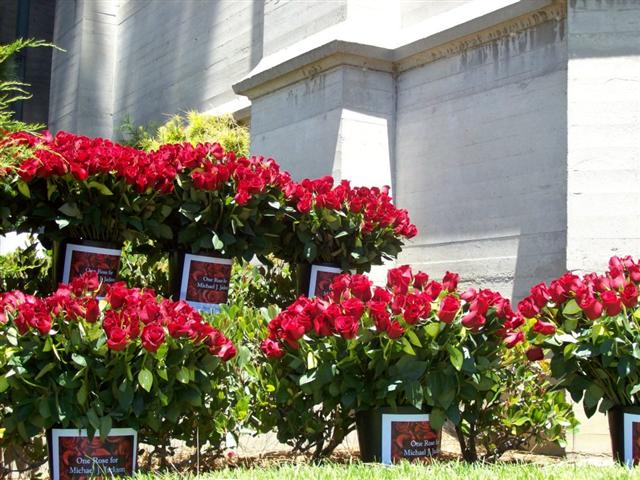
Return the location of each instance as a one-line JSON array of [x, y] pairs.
[[535, 353], [611, 303], [449, 307], [629, 295]]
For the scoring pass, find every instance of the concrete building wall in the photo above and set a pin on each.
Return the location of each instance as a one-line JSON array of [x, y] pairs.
[[204, 48], [413, 12], [481, 160], [82, 75], [603, 132], [603, 150]]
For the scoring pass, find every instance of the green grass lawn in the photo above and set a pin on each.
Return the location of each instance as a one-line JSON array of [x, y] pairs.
[[436, 471]]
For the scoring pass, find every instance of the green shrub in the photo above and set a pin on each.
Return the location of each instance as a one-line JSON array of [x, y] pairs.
[[523, 412], [26, 269], [193, 127]]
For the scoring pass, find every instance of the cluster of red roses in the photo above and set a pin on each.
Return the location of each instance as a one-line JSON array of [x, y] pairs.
[[130, 314], [595, 295], [209, 167], [408, 299], [374, 203]]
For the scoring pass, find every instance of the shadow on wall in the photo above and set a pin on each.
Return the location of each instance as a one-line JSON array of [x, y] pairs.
[[206, 47], [481, 161]]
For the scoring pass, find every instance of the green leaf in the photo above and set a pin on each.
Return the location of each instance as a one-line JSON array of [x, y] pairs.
[[571, 308], [82, 394], [307, 378], [217, 243], [406, 347], [310, 251], [4, 384], [414, 393], [456, 357], [94, 421], [592, 396], [125, 395], [437, 418], [145, 379], [100, 187], [625, 366], [23, 188], [51, 189], [79, 360], [413, 338], [183, 375], [46, 369], [432, 329], [105, 427], [70, 209]]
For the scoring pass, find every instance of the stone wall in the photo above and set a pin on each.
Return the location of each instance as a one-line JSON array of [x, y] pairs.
[[481, 160]]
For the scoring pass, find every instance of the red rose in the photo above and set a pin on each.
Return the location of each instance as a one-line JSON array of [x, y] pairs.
[[449, 307], [450, 281], [271, 348], [473, 320], [433, 289], [469, 295], [634, 273], [339, 285], [291, 326], [513, 338], [92, 310], [322, 325], [545, 328], [394, 329], [591, 307], [382, 295], [152, 337], [399, 279], [117, 338], [629, 295], [381, 320], [353, 307], [528, 308], [535, 353], [420, 279], [557, 292], [43, 323], [347, 326], [361, 287], [227, 351], [398, 303], [304, 204], [611, 303], [540, 295], [116, 294]]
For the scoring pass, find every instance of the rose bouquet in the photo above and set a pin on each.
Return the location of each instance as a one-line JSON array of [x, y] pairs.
[[74, 187], [220, 202], [417, 343], [590, 325], [132, 360], [351, 227]]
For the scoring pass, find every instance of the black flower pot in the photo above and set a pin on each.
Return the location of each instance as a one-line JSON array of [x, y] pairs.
[[388, 435], [202, 279], [314, 279], [624, 428], [72, 258], [72, 454]]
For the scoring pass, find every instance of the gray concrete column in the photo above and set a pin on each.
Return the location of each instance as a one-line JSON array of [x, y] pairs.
[[603, 141]]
